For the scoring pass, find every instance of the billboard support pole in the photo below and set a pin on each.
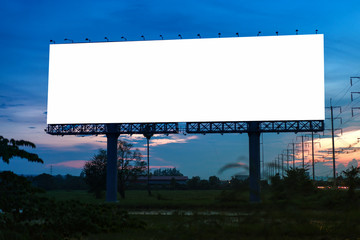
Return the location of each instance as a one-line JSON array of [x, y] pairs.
[[111, 166], [148, 135], [254, 161]]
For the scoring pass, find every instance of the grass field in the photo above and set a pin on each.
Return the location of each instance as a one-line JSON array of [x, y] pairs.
[[160, 199], [326, 215]]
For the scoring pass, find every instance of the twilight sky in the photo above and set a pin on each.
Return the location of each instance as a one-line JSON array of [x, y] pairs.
[[27, 27]]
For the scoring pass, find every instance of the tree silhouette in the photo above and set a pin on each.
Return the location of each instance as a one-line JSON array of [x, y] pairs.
[[10, 149], [352, 178], [95, 173], [130, 165]]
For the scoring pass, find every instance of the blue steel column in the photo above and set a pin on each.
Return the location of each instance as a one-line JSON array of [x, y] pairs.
[[111, 167], [254, 161]]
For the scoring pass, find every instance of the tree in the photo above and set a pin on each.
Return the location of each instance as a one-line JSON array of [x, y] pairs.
[[130, 165], [95, 173], [194, 182], [44, 181], [351, 179], [214, 181], [10, 148], [15, 192]]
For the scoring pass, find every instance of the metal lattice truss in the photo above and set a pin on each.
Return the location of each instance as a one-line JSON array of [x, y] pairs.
[[191, 128], [121, 128], [243, 127]]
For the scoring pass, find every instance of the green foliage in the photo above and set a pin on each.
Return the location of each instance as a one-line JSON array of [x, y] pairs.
[[58, 182], [194, 182], [15, 192], [238, 184], [10, 149], [129, 164], [351, 180], [294, 184], [95, 173], [27, 215], [214, 181]]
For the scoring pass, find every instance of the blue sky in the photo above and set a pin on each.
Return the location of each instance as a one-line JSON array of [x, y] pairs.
[[27, 26]]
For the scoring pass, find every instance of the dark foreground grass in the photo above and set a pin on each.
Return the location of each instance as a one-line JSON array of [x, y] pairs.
[[161, 199], [324, 215], [256, 225]]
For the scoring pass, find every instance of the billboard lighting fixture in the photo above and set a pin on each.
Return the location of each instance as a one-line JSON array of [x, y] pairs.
[[237, 34], [297, 31], [143, 37], [52, 41], [86, 39], [106, 39], [316, 31], [67, 39], [125, 39], [219, 34], [258, 33], [277, 33], [199, 35], [162, 38], [180, 36]]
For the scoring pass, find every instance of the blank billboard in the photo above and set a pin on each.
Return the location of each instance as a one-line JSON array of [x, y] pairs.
[[187, 80]]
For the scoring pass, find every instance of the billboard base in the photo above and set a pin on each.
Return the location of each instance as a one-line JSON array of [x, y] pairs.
[[253, 128]]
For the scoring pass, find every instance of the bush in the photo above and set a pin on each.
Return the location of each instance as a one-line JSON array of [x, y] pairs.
[[295, 184], [27, 215]]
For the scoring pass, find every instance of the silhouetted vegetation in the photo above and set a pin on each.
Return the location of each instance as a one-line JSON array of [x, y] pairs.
[[291, 208], [352, 180], [95, 173], [10, 149], [295, 183], [167, 172], [59, 182], [25, 214], [130, 166]]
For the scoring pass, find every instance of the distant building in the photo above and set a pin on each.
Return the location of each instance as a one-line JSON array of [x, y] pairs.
[[241, 177], [162, 180]]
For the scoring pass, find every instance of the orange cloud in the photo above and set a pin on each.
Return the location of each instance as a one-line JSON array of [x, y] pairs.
[[347, 148], [78, 164]]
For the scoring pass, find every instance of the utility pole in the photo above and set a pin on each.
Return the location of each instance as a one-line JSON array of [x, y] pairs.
[[333, 139], [313, 155], [282, 165], [302, 150], [287, 158], [333, 143], [293, 154]]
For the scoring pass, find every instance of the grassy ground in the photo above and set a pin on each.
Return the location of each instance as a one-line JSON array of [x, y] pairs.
[[326, 215], [160, 199]]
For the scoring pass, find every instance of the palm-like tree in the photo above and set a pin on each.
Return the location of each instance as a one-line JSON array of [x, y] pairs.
[[10, 148]]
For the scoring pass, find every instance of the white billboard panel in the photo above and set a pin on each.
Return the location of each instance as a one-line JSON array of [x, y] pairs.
[[195, 80]]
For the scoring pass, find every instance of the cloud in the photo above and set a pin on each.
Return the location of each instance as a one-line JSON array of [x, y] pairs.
[[158, 167], [6, 106], [352, 163], [78, 164], [172, 139]]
